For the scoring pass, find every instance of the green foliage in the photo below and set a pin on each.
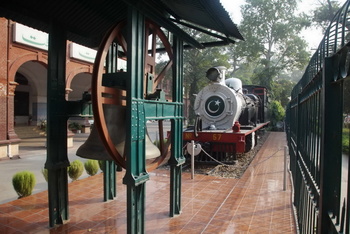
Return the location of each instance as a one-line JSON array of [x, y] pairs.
[[157, 142], [324, 13], [23, 183], [345, 140], [91, 167], [75, 170], [346, 96], [74, 126], [244, 72], [101, 164], [272, 43], [282, 89], [43, 124], [277, 113], [45, 173]]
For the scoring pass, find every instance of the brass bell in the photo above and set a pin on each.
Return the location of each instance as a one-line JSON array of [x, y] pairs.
[[93, 147]]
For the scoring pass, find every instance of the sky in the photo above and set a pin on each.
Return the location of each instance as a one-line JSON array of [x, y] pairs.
[[312, 36]]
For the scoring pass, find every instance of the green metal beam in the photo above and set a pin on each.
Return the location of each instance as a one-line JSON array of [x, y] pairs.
[[163, 110], [57, 160]]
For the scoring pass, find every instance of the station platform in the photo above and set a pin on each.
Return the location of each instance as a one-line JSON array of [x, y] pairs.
[[255, 203]]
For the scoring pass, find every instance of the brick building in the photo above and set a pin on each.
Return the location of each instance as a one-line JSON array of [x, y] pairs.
[[23, 79]]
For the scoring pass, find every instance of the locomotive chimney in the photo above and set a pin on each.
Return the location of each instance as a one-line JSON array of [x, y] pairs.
[[223, 73], [217, 74]]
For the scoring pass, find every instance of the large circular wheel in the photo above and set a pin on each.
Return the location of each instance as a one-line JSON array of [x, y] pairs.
[[110, 99]]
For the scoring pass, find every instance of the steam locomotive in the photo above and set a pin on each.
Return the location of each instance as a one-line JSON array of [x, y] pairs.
[[229, 117]]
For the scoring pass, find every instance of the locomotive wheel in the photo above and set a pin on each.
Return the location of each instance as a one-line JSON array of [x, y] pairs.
[[102, 95]]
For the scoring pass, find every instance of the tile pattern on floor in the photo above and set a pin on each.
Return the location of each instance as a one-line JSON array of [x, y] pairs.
[[255, 203]]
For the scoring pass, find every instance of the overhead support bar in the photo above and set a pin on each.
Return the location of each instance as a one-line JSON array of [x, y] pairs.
[[229, 40], [206, 45], [210, 44]]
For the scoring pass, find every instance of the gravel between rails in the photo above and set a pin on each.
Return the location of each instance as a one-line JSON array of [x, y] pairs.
[[229, 171]]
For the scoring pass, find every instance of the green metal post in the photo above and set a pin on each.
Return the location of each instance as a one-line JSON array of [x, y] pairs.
[[136, 175], [109, 180], [297, 181], [176, 159], [331, 146], [109, 175], [57, 160]]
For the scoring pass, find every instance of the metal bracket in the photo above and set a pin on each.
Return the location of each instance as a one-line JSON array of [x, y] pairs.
[[138, 118]]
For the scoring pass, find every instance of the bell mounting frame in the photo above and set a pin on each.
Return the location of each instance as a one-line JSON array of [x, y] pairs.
[[103, 95]]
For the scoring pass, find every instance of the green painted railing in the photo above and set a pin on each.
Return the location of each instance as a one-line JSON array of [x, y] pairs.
[[318, 134]]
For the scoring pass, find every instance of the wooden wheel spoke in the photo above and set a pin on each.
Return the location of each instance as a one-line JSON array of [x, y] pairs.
[[112, 96], [161, 75]]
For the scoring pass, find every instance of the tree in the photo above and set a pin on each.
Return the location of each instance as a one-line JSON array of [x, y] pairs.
[[271, 30], [244, 73], [282, 89], [240, 68], [277, 113], [324, 13]]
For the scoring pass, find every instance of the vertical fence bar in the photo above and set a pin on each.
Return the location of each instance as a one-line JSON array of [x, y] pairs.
[[285, 168], [331, 149], [192, 160]]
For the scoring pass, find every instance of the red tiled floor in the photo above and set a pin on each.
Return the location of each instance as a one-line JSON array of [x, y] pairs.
[[255, 203]]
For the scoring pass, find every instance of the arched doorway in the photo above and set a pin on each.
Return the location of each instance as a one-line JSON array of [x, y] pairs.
[[21, 100], [80, 84], [30, 94]]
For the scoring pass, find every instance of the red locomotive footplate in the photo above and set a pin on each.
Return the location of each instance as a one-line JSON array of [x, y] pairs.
[[222, 136]]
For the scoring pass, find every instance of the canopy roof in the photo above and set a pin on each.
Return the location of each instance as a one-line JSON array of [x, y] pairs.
[[86, 21]]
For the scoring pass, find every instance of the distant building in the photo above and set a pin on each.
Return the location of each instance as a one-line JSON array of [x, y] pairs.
[[23, 79]]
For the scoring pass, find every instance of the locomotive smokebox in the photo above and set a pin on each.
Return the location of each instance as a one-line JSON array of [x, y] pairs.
[[223, 102], [217, 105]]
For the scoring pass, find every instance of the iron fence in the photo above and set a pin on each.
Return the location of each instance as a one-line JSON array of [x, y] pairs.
[[318, 134]]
